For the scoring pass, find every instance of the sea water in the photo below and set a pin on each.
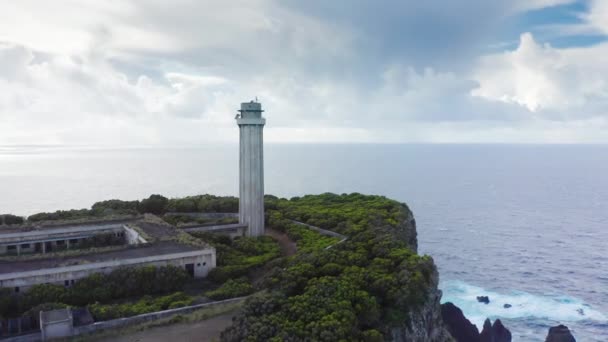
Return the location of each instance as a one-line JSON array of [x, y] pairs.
[[526, 225]]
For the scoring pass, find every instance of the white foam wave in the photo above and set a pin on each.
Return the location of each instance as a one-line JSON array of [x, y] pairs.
[[523, 305]]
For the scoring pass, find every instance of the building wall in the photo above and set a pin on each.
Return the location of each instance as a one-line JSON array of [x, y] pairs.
[[251, 183], [56, 324], [133, 237], [232, 230], [56, 330]]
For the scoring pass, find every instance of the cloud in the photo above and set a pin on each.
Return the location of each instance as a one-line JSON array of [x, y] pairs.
[[559, 83], [154, 72], [526, 5], [597, 16], [57, 98]]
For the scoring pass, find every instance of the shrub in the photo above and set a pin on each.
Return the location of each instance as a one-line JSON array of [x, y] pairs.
[[115, 206], [204, 204], [224, 273], [231, 289], [61, 215], [155, 204], [9, 219], [120, 283], [41, 294], [104, 312], [237, 258], [372, 335]]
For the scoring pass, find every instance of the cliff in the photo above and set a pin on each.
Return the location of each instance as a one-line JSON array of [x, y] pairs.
[[372, 287], [426, 323]]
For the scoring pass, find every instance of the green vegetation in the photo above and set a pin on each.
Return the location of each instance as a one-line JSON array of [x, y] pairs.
[[204, 204], [115, 205], [308, 240], [104, 312], [61, 215], [155, 204], [239, 258], [346, 214], [8, 219], [196, 316], [119, 284], [231, 289], [186, 220], [354, 291]]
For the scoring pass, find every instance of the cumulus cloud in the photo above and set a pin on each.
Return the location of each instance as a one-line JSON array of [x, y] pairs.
[[597, 17], [557, 82], [154, 72], [47, 99]]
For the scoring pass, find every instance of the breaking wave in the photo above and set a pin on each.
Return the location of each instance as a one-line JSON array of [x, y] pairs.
[[523, 305]]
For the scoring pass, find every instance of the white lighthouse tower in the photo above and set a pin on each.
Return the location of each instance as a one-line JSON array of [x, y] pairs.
[[251, 167]]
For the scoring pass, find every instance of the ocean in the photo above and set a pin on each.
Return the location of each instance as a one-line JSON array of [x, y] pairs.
[[526, 225]]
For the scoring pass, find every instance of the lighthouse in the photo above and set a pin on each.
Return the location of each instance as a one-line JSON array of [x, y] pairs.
[[251, 167]]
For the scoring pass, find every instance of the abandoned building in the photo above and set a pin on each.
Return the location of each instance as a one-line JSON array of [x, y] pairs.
[[33, 256]]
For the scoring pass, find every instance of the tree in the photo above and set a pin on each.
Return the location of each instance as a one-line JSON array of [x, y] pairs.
[[155, 204], [11, 219]]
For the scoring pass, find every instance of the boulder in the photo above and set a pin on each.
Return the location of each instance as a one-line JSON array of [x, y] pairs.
[[458, 325], [560, 333], [506, 306], [483, 299], [494, 332]]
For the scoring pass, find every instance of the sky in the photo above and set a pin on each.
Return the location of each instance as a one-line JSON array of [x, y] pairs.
[[173, 73]]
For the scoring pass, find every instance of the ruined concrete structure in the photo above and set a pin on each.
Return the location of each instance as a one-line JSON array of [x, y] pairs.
[[251, 167], [145, 243], [46, 239]]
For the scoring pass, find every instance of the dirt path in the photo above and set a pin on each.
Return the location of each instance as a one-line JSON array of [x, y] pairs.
[[288, 247], [203, 331]]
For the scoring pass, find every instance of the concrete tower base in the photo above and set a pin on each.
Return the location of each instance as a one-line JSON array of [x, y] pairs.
[[251, 168]]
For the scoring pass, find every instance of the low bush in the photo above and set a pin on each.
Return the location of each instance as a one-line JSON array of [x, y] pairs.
[[9, 219], [204, 204], [104, 312], [155, 204], [61, 215], [238, 258], [231, 289]]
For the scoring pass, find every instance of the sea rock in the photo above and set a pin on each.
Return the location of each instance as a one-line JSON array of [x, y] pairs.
[[506, 306], [494, 332], [560, 333], [458, 325], [483, 299]]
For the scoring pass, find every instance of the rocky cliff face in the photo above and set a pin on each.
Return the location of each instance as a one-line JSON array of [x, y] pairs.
[[458, 325], [560, 333], [464, 331], [406, 230], [426, 324], [494, 332]]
